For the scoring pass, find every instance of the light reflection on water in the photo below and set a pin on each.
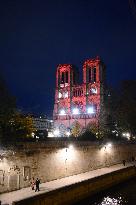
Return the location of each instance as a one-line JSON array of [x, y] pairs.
[[111, 201], [122, 194]]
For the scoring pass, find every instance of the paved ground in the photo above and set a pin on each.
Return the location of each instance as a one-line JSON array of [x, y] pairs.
[[8, 198]]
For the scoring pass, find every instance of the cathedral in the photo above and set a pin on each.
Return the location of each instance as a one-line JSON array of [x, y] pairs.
[[74, 102]]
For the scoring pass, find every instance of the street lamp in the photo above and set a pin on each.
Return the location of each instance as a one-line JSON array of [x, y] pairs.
[[50, 134], [33, 134], [109, 145], [68, 133], [70, 146], [56, 132], [126, 134]]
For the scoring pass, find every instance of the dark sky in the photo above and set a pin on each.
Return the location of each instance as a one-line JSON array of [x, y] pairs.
[[35, 36]]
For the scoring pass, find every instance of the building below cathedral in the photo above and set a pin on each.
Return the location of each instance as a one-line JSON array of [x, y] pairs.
[[42, 123], [74, 102]]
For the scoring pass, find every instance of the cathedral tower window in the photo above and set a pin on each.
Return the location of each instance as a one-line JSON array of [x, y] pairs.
[[94, 74], [90, 76], [62, 77], [66, 76]]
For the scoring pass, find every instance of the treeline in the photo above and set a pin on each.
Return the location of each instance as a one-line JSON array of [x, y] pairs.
[[13, 125], [121, 109], [117, 117], [117, 120]]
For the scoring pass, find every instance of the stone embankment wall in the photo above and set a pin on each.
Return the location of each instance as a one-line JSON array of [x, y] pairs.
[[76, 192], [53, 160]]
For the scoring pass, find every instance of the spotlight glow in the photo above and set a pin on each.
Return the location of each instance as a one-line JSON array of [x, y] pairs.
[[94, 90], [60, 95], [126, 135], [50, 134], [62, 112], [109, 145], [75, 111], [90, 110], [56, 132], [70, 146], [68, 133]]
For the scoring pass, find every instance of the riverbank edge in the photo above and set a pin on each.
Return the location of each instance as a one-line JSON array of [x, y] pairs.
[[81, 190]]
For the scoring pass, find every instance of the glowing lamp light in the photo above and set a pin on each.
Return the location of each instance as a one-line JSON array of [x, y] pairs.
[[70, 146], [126, 135], [62, 112], [50, 134], [68, 133], [75, 111], [33, 134], [94, 90], [90, 110], [109, 145], [60, 95], [56, 132]]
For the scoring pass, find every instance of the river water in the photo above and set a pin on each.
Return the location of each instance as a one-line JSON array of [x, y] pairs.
[[122, 194]]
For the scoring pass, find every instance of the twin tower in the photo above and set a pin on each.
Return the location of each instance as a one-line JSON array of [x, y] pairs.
[[79, 102]]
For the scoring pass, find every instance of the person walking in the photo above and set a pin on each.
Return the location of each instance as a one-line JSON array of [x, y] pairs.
[[37, 182], [32, 183], [124, 162]]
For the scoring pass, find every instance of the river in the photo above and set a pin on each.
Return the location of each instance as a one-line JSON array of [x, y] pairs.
[[122, 194]]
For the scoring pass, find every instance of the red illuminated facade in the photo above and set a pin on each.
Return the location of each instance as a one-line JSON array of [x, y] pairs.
[[79, 102]]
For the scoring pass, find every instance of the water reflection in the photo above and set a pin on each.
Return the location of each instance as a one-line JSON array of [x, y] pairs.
[[111, 201], [122, 194]]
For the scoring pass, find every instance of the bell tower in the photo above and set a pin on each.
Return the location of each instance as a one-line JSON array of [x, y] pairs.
[[94, 80], [66, 77]]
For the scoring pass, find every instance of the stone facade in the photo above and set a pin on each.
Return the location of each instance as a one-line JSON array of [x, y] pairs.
[[52, 160], [79, 102]]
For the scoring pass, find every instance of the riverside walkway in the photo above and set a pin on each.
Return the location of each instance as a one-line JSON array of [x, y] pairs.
[[8, 198]]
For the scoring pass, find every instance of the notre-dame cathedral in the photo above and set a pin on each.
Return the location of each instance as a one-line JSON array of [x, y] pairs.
[[79, 102]]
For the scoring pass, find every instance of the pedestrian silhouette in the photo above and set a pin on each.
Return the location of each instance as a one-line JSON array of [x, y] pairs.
[[32, 182], [124, 162], [37, 182]]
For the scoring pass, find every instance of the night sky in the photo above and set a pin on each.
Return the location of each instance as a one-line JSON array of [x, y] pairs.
[[36, 36]]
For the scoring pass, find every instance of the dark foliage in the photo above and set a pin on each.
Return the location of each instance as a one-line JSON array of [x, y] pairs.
[[126, 110], [88, 135], [121, 110], [7, 108], [13, 125]]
